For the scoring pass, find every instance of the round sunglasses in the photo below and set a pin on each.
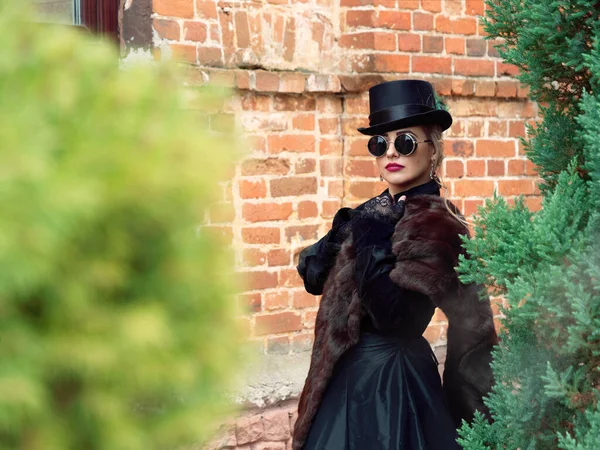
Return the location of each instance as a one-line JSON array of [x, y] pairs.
[[405, 144]]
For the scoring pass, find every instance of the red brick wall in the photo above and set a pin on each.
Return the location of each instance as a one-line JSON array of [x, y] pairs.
[[301, 70]]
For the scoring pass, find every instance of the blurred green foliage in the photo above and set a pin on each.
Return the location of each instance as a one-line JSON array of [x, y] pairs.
[[117, 311]]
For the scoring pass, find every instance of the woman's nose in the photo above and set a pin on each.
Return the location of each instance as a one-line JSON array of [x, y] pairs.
[[391, 150]]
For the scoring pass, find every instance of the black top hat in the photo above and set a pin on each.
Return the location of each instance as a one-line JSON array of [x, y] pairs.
[[404, 103]]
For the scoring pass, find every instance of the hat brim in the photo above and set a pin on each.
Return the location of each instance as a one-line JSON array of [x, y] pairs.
[[438, 116]]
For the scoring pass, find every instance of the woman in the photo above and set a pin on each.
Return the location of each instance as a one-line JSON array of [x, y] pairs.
[[383, 268]]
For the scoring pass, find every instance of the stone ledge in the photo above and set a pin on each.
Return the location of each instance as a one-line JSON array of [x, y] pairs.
[[272, 379], [264, 81]]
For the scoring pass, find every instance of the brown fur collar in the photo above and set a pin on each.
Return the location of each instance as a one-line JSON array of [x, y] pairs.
[[427, 244]]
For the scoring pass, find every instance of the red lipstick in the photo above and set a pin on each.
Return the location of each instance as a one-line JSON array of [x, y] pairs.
[[393, 167]]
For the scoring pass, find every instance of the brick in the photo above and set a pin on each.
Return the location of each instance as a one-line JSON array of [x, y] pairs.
[[431, 5], [516, 187], [290, 278], [292, 82], [249, 429], [485, 88], [206, 9], [309, 319], [291, 143], [534, 203], [303, 122], [289, 40], [394, 20], [473, 188], [302, 343], [329, 126], [360, 18], [384, 41], [409, 42], [269, 166], [278, 323], [257, 280], [304, 232], [283, 187], [331, 167], [329, 105], [492, 48], [250, 302], [255, 102], [497, 128], [265, 212], [285, 102], [364, 189], [474, 7], [443, 86], [476, 47], [305, 165], [494, 148], [332, 146], [454, 169], [363, 40], [516, 167], [503, 69], [473, 67], [464, 25], [267, 81], [531, 169], [422, 21], [330, 207], [471, 207], [194, 31], [183, 9], [302, 299], [252, 257], [307, 209], [261, 235], [475, 128], [476, 168], [210, 56], [392, 63], [495, 168], [463, 87], [278, 257], [167, 29], [362, 168], [335, 189], [432, 64], [184, 52], [277, 425], [276, 300], [433, 44], [443, 24], [461, 148], [242, 29], [507, 89]]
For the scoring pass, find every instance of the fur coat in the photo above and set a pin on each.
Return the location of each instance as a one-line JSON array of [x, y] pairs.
[[427, 244]]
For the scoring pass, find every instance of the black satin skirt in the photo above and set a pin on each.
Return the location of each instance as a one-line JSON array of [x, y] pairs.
[[385, 394]]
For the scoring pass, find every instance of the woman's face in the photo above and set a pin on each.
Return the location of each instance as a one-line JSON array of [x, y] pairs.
[[404, 172]]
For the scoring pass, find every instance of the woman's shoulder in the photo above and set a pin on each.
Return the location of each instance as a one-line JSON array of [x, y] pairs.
[[432, 217]]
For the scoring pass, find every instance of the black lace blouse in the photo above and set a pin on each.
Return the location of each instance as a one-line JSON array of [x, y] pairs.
[[390, 309]]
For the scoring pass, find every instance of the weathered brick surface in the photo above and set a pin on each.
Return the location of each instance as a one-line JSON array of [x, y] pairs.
[[300, 71]]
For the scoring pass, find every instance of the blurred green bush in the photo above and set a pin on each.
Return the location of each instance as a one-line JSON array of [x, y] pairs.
[[116, 311]]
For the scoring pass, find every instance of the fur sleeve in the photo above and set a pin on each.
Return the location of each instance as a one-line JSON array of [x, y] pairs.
[[427, 244]]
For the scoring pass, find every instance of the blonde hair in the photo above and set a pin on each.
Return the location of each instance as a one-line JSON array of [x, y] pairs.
[[434, 134]]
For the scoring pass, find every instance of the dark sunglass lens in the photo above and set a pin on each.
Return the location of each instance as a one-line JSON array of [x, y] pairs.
[[377, 146], [405, 144]]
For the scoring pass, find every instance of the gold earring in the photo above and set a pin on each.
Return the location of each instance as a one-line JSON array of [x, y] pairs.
[[381, 177]]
